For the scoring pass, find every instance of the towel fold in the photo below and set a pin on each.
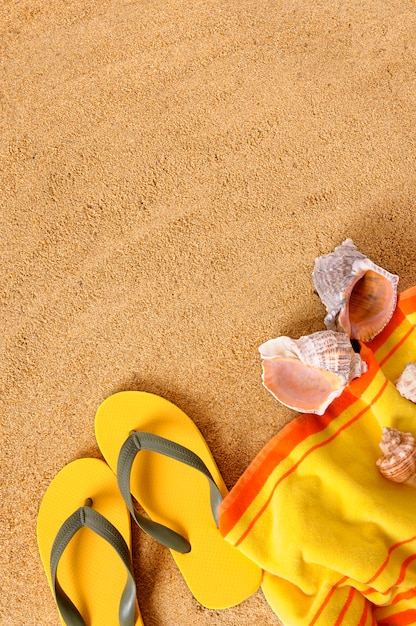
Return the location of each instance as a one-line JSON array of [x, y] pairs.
[[336, 540]]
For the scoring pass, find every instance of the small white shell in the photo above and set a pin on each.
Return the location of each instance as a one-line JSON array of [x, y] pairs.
[[359, 296], [398, 462], [406, 383], [308, 373]]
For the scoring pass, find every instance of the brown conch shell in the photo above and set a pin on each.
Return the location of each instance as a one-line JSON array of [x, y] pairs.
[[398, 462], [359, 296], [406, 383], [306, 374]]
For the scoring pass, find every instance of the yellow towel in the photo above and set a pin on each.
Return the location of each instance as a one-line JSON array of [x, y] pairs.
[[336, 540]]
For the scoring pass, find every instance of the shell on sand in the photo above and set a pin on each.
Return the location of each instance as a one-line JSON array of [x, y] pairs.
[[359, 296], [306, 374], [398, 461]]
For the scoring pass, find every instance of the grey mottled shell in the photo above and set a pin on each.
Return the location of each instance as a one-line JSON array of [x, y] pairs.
[[398, 461], [406, 383], [359, 296], [308, 373]]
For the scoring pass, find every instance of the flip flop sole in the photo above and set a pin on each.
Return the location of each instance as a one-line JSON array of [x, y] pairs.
[[89, 571], [177, 495]]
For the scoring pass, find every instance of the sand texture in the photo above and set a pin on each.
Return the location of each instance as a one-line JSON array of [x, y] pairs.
[[169, 171]]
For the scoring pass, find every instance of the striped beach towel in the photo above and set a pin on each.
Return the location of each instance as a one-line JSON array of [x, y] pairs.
[[336, 540]]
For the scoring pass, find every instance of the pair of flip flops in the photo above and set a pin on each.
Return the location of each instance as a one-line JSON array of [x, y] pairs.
[[156, 455]]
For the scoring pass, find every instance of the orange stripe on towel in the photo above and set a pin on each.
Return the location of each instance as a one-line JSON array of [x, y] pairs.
[[278, 449], [327, 599], [345, 607], [396, 346], [403, 569], [404, 618], [404, 595], [296, 465], [407, 300], [389, 553], [284, 442], [365, 615]]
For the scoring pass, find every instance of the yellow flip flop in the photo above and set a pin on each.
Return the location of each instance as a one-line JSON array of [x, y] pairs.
[[176, 481], [83, 532]]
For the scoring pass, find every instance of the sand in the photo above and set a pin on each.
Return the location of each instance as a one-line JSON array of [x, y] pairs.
[[169, 172]]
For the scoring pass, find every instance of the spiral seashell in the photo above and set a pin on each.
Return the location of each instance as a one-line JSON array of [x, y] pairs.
[[406, 383], [398, 462], [308, 373], [359, 296]]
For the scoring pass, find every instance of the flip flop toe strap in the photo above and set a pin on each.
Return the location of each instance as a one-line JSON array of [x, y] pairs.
[[86, 516], [138, 441]]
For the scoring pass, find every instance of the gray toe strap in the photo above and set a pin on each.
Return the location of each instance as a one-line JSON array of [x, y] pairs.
[[138, 441], [86, 516]]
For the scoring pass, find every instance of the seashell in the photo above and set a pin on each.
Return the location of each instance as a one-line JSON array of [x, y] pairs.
[[406, 383], [359, 296], [308, 373], [398, 462]]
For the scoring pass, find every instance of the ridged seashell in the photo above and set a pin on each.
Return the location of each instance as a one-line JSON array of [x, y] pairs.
[[359, 296], [406, 383], [306, 374], [398, 462]]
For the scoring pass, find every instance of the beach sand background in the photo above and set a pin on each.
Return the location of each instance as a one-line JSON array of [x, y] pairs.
[[169, 172]]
